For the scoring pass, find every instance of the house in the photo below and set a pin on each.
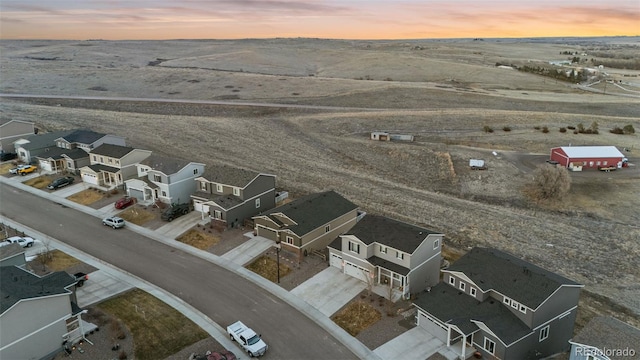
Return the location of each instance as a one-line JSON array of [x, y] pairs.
[[501, 305], [393, 257], [72, 150], [166, 179], [606, 338], [110, 165], [309, 223], [12, 255], [230, 195], [12, 130], [37, 314], [593, 157], [28, 148]]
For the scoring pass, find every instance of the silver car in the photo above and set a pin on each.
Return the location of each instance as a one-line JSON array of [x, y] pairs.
[[114, 221]]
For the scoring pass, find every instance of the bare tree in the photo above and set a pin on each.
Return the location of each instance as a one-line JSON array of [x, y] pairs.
[[549, 182], [45, 256]]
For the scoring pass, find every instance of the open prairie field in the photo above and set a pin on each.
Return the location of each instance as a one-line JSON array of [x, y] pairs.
[[303, 109]]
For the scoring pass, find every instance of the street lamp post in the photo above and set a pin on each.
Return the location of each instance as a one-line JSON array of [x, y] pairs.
[[278, 259]]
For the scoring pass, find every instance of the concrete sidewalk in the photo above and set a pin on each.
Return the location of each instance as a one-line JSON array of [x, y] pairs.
[[329, 290], [249, 250], [416, 343]]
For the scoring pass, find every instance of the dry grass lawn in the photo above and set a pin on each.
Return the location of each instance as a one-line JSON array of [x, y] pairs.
[[268, 269], [198, 239], [4, 168], [356, 317], [40, 182], [86, 197], [136, 215], [158, 329], [60, 261]]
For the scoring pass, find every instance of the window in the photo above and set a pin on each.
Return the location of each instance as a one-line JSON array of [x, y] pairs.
[[157, 178], [110, 160], [436, 244], [327, 228], [195, 171], [604, 163], [218, 188], [355, 247], [598, 162], [203, 185], [383, 249], [164, 193], [515, 304], [452, 280], [217, 214], [490, 346], [101, 159], [236, 191], [472, 291], [289, 240], [506, 300], [258, 203], [462, 285], [117, 162], [399, 255], [523, 309], [95, 158], [544, 333]]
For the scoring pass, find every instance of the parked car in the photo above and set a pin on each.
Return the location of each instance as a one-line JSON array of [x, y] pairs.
[[216, 355], [27, 170], [6, 156], [114, 221], [60, 182], [22, 241], [552, 162], [251, 342], [124, 202], [15, 169], [80, 278], [175, 211]]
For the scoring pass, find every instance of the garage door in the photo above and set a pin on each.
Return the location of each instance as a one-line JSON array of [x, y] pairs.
[[89, 178], [356, 271], [44, 165], [432, 326], [267, 233], [136, 193], [336, 261], [200, 206]]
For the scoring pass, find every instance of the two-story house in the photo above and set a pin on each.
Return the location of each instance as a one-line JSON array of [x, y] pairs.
[[29, 147], [229, 195], [503, 306], [166, 179], [606, 338], [308, 223], [110, 165], [12, 130], [72, 150], [393, 257], [37, 314]]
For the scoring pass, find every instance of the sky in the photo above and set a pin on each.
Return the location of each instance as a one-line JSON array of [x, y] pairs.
[[332, 19]]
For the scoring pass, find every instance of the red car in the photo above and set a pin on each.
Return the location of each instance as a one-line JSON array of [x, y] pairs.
[[124, 202], [222, 355]]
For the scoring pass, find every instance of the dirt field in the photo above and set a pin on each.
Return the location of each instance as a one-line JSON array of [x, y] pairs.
[[442, 92]]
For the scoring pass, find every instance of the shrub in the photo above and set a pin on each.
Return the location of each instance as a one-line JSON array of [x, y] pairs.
[[580, 128], [628, 129], [487, 129], [616, 130], [506, 128], [122, 355], [575, 131], [545, 129], [536, 127], [570, 127], [549, 182], [563, 130]]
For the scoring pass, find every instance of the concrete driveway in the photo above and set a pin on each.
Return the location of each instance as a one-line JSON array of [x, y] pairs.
[[329, 290], [101, 286], [175, 228], [68, 190], [416, 343], [249, 250]]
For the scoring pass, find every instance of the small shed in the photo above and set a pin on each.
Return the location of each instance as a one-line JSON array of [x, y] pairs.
[[380, 136], [588, 157]]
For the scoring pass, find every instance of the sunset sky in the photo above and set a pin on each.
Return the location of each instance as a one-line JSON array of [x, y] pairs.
[[352, 19]]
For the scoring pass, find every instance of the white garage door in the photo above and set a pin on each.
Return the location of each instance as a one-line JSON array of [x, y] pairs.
[[44, 165], [89, 178], [356, 271], [200, 206], [336, 261], [432, 327]]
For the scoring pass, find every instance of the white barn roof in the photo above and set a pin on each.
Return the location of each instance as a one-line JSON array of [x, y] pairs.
[[591, 151]]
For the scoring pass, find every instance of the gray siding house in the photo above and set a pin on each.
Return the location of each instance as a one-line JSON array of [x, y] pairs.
[[230, 195], [606, 338], [12, 255], [28, 148], [12, 130], [309, 223], [37, 314], [395, 258], [501, 306], [110, 165], [168, 180]]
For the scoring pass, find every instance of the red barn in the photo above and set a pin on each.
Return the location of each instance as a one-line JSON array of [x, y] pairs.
[[577, 157]]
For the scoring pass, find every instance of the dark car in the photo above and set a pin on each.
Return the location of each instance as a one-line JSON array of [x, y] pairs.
[[176, 210], [60, 182], [6, 156], [216, 355], [124, 202]]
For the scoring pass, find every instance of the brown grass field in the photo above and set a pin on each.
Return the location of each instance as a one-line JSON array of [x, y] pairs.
[[357, 316], [198, 239], [86, 196], [137, 215], [303, 109], [268, 268]]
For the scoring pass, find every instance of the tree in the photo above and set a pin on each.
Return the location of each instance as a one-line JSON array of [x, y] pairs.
[[594, 127], [549, 182], [628, 129]]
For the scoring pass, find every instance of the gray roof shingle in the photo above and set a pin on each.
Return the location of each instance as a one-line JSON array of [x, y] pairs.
[[393, 233], [114, 151], [40, 141], [513, 277], [17, 284], [83, 137], [164, 164], [605, 332], [313, 211], [227, 175]]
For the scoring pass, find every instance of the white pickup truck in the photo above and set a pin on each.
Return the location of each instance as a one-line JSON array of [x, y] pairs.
[[247, 338], [22, 241]]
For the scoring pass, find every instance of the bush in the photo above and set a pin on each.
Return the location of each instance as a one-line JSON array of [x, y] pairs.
[[616, 130], [571, 127], [575, 131], [549, 182], [536, 127], [563, 130], [580, 128], [487, 129], [628, 129], [122, 355], [545, 129], [506, 128]]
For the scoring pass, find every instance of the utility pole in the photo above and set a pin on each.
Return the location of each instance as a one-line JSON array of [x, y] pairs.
[[278, 259]]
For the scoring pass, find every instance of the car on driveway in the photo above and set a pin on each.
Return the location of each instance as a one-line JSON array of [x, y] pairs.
[[114, 221], [5, 156], [124, 202], [27, 170], [15, 169], [60, 182], [22, 241]]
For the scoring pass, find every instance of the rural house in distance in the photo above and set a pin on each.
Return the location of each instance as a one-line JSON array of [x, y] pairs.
[[589, 157], [111, 165], [308, 223], [502, 306], [393, 257]]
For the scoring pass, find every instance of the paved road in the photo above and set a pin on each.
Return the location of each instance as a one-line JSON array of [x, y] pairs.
[[220, 294]]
